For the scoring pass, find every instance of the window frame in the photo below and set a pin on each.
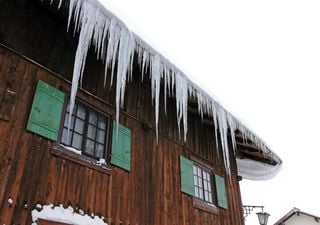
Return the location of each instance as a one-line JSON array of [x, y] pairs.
[[201, 203], [85, 159]]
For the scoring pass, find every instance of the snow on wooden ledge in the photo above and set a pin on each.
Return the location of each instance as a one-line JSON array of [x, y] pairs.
[[64, 215]]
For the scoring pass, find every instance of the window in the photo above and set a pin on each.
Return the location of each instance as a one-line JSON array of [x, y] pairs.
[[88, 131], [208, 189], [202, 179]]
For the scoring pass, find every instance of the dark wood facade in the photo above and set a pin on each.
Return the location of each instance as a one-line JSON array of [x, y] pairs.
[[35, 46]]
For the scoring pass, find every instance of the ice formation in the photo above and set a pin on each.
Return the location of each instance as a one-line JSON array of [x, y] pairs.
[[64, 215], [114, 42]]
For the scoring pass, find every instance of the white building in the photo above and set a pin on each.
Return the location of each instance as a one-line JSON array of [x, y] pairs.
[[298, 217]]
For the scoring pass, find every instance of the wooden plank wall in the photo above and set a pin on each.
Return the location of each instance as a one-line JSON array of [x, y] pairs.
[[148, 194]]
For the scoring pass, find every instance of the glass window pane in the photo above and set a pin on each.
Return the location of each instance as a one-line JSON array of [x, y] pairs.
[[196, 191], [210, 197], [209, 186], [205, 184], [195, 180], [199, 172], [206, 196], [200, 193], [66, 120], [81, 112], [200, 182], [76, 141], [93, 118], [102, 122], [100, 136], [194, 170], [89, 147], [91, 132], [79, 126], [99, 150], [65, 136]]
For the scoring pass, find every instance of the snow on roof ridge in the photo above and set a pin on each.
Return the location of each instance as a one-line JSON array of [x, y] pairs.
[[114, 41]]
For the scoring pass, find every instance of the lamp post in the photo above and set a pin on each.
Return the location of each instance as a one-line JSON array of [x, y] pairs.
[[262, 216]]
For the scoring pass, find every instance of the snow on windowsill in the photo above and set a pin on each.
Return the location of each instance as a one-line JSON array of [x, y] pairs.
[[73, 155]]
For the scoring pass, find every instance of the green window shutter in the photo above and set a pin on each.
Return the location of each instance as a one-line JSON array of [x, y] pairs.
[[121, 146], [221, 192], [186, 173], [45, 115]]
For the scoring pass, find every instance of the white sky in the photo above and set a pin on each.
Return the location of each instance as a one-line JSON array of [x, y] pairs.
[[262, 60]]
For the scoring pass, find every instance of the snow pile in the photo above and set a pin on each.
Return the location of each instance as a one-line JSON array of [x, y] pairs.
[[114, 42], [64, 215]]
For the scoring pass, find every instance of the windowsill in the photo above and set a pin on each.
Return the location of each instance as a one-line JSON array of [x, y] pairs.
[[197, 203], [83, 160]]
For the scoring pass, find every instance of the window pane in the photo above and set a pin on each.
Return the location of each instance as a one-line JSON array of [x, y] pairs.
[[210, 197], [99, 150], [199, 172], [65, 136], [79, 126], [205, 184], [209, 186], [200, 182], [100, 136], [66, 120], [196, 192], [81, 112], [195, 180], [102, 122], [76, 141], [89, 147], [93, 118], [195, 170], [200, 193], [91, 132], [206, 196]]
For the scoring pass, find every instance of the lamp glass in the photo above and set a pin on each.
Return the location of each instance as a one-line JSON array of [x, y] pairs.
[[263, 218]]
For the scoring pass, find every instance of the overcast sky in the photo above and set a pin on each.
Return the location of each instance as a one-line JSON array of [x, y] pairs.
[[261, 59]]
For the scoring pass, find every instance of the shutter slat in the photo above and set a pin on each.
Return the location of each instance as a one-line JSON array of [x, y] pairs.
[[221, 192], [121, 146], [186, 176], [46, 110]]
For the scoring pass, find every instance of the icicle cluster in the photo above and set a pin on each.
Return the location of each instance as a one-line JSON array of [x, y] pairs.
[[113, 43]]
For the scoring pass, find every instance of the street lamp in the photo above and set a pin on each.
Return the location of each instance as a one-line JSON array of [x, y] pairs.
[[263, 217]]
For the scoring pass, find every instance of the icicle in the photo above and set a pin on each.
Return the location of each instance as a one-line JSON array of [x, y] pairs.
[[223, 130], [126, 49], [113, 43], [182, 102], [155, 86], [215, 122], [200, 103], [84, 43], [165, 72], [60, 3]]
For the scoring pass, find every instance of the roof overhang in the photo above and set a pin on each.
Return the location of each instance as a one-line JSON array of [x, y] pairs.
[[255, 160]]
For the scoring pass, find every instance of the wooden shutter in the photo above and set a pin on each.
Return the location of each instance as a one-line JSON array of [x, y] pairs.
[[186, 176], [45, 115], [121, 146], [221, 192]]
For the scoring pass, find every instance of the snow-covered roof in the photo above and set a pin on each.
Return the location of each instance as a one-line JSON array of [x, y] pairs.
[[298, 212], [114, 42]]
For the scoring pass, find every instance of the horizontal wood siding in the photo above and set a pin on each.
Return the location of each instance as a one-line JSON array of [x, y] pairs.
[[148, 194]]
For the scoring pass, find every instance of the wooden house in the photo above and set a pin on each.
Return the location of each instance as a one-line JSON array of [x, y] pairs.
[[96, 127]]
